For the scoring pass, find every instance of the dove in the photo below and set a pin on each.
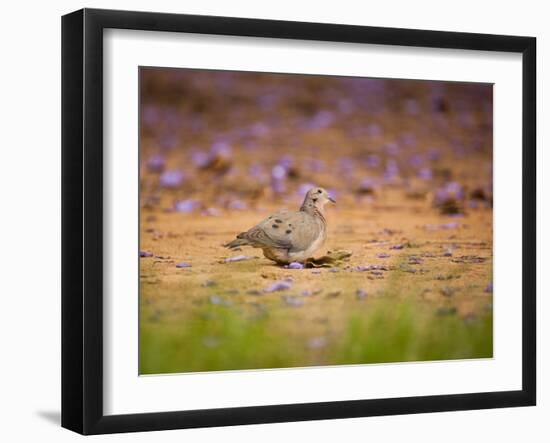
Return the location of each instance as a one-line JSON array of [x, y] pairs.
[[287, 237]]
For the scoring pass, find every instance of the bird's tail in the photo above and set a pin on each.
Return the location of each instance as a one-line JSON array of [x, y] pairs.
[[239, 241]]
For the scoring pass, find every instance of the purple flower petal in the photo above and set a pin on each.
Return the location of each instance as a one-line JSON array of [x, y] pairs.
[[396, 247], [200, 158], [322, 119], [489, 288], [278, 186], [392, 170], [449, 192], [416, 160], [383, 255], [221, 147], [295, 265], [451, 225], [156, 163], [171, 179], [281, 285], [373, 161], [145, 254], [216, 300], [425, 174], [361, 294], [278, 172], [183, 265], [370, 268], [186, 205]]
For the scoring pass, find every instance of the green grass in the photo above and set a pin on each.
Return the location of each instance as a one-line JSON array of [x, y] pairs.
[[224, 338], [216, 339], [413, 333]]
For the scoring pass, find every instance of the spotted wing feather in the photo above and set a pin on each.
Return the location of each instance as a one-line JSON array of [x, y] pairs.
[[294, 231]]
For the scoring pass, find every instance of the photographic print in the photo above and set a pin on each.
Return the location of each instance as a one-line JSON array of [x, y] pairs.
[[291, 220]]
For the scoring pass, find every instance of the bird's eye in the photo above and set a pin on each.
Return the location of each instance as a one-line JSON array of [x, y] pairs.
[[319, 191]]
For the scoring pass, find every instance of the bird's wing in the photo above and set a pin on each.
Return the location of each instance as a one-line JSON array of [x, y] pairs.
[[295, 231], [305, 229]]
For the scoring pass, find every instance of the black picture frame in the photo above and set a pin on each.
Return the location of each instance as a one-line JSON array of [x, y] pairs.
[[82, 219]]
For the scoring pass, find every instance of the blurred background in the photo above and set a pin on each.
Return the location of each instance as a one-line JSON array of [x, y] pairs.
[[215, 140]]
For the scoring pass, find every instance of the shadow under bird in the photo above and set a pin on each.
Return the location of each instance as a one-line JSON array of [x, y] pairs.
[[287, 237]]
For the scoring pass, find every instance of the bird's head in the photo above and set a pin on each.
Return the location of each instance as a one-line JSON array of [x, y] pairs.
[[317, 197]]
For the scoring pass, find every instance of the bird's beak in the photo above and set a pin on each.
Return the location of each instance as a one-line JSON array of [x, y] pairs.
[[332, 200]]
